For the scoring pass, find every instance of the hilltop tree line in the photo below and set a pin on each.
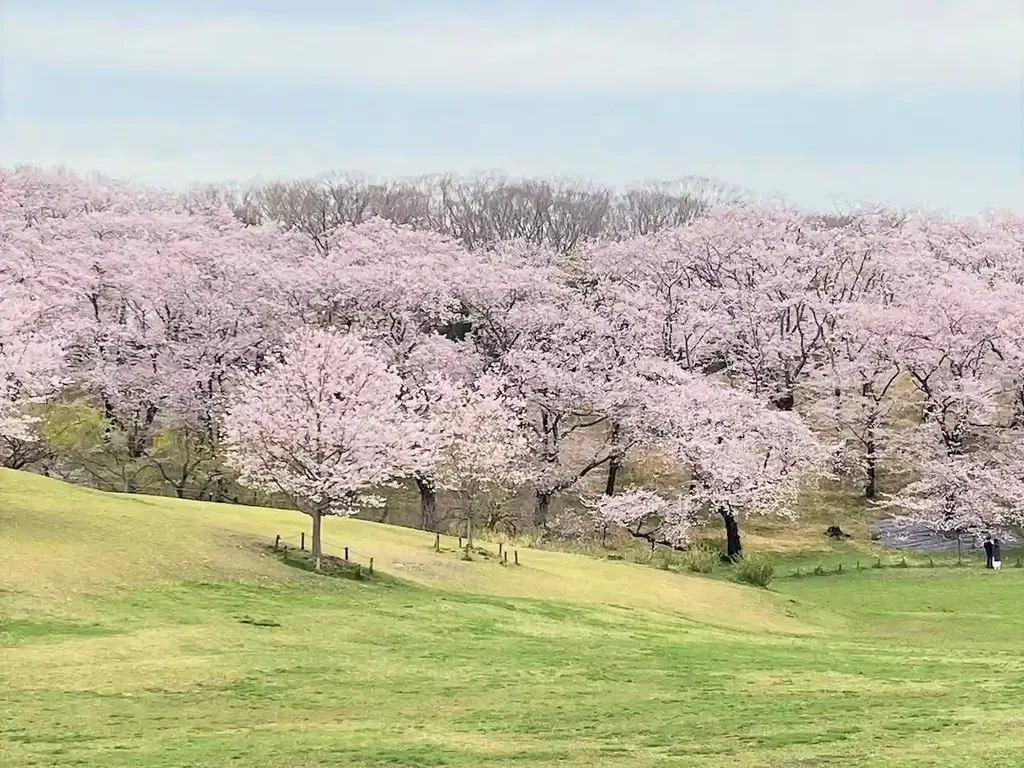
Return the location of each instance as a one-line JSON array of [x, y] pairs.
[[318, 341]]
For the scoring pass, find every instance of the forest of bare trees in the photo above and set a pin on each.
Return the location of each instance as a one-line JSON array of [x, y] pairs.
[[476, 210]]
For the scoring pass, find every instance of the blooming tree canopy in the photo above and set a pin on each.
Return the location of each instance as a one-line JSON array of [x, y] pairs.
[[490, 357], [324, 426], [485, 454], [742, 457]]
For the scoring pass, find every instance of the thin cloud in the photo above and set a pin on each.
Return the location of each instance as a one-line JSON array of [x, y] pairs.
[[871, 45], [182, 153]]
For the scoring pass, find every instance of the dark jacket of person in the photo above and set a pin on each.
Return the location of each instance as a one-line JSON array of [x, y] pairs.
[[996, 554], [989, 548]]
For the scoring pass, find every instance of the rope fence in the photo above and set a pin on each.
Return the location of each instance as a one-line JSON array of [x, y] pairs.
[[503, 549], [302, 543], [282, 544], [878, 563]]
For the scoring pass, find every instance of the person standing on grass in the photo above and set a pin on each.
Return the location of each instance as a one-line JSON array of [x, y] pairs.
[[996, 555], [988, 551]]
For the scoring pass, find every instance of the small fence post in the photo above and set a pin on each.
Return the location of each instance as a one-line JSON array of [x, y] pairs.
[[500, 546], [437, 542], [460, 542], [277, 542], [302, 541], [516, 552], [506, 558], [371, 565], [346, 554]]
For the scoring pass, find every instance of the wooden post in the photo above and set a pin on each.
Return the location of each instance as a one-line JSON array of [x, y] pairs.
[[371, 565], [346, 554], [277, 541], [506, 558], [517, 556], [437, 542], [460, 542], [302, 541], [840, 568], [500, 545]]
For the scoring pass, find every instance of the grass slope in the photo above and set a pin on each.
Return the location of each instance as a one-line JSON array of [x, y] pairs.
[[126, 639], [79, 542]]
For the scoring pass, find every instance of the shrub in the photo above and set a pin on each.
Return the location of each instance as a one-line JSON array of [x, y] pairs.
[[701, 558], [640, 555], [756, 570], [665, 559]]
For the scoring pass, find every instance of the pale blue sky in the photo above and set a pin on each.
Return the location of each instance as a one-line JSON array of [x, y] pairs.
[[908, 102]]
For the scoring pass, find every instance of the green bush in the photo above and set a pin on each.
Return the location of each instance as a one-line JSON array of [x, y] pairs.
[[664, 559], [701, 558], [756, 570]]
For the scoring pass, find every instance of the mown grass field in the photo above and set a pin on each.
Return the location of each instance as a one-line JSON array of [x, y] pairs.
[[150, 632]]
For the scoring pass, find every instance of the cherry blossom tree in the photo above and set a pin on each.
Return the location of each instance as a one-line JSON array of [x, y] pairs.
[[485, 453], [31, 371], [961, 357], [645, 514], [397, 288], [32, 321], [973, 489], [743, 458], [854, 394], [164, 306], [543, 344], [324, 426]]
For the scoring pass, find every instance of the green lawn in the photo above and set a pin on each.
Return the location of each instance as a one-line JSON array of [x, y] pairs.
[[148, 655]]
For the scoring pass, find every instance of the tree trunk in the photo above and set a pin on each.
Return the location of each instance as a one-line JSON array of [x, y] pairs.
[[784, 401], [614, 465], [871, 465], [317, 549], [542, 508], [733, 545], [428, 504], [870, 447]]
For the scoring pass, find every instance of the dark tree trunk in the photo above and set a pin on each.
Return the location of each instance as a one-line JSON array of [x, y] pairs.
[[733, 544], [871, 465], [785, 401], [614, 465], [317, 546], [870, 447], [541, 508], [428, 504]]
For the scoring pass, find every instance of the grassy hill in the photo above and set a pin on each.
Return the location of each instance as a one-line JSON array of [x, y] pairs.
[[142, 631]]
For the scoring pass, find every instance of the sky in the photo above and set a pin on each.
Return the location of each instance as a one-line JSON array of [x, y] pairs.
[[913, 103]]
